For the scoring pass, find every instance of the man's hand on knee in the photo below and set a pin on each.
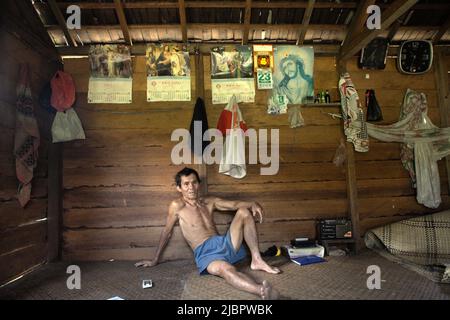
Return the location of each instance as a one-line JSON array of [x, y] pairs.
[[146, 263], [256, 209]]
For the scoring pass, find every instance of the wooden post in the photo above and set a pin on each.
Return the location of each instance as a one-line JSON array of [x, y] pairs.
[[54, 206], [442, 88], [352, 190]]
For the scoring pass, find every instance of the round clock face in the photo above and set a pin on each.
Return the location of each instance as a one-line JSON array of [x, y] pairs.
[[415, 56]]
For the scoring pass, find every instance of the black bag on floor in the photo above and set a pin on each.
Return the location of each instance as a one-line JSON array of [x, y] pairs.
[[373, 108]]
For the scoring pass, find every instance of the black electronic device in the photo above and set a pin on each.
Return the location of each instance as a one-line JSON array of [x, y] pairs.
[[415, 56], [303, 244], [373, 56], [335, 229]]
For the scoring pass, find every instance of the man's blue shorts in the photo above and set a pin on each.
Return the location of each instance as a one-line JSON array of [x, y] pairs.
[[217, 248]]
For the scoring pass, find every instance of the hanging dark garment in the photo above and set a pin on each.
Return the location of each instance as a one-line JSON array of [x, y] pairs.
[[373, 108], [200, 117]]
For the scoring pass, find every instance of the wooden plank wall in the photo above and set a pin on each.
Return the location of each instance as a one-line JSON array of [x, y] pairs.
[[119, 181], [384, 188], [23, 232]]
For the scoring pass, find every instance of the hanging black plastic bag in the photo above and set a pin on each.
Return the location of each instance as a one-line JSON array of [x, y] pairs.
[[373, 108]]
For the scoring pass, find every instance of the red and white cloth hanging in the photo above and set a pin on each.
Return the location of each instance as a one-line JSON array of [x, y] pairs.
[[233, 127]]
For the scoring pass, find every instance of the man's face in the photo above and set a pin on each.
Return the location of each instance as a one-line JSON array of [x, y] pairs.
[[189, 187], [290, 69]]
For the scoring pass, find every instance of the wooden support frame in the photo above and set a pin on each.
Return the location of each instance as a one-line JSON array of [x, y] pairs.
[[238, 4], [395, 27], [359, 19], [62, 22], [392, 13], [122, 21], [441, 83], [247, 18], [442, 30], [228, 26], [350, 171], [210, 4], [54, 206], [39, 40], [352, 193], [305, 21], [205, 48], [182, 12]]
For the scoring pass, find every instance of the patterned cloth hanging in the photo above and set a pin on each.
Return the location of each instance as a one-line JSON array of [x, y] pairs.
[[423, 145], [26, 137], [352, 113]]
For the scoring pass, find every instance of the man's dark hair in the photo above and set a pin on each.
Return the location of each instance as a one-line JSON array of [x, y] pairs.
[[184, 173]]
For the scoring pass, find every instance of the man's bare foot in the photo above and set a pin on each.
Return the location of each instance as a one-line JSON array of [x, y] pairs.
[[267, 292], [259, 264]]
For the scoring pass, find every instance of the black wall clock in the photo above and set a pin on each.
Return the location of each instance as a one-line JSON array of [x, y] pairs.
[[373, 56], [415, 56]]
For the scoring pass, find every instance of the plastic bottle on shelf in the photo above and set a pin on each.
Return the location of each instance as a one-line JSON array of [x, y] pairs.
[[317, 99], [327, 97], [322, 97]]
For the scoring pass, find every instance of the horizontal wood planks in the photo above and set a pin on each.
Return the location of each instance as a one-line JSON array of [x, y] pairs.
[[23, 231], [119, 181], [382, 199]]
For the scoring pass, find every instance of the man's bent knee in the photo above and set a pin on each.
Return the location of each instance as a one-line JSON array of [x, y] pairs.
[[220, 268], [243, 213]]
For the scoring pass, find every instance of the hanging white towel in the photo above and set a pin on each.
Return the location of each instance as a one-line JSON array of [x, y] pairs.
[[233, 154]]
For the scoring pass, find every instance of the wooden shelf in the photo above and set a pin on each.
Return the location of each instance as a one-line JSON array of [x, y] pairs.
[[321, 105], [347, 240]]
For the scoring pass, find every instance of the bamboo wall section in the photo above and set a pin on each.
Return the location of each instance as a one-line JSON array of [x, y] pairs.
[[119, 181]]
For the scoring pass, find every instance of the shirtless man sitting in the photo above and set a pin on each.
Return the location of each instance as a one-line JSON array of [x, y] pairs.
[[213, 253]]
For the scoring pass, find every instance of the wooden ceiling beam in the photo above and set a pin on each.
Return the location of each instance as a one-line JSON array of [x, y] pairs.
[[237, 4], [204, 48], [62, 22], [395, 10], [358, 20], [231, 26], [123, 22], [210, 4], [442, 30], [396, 26], [247, 17], [305, 21], [126, 5], [31, 31], [423, 6], [182, 12], [330, 50]]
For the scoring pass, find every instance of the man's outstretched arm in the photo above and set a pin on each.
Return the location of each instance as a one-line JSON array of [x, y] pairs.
[[165, 236], [232, 205]]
